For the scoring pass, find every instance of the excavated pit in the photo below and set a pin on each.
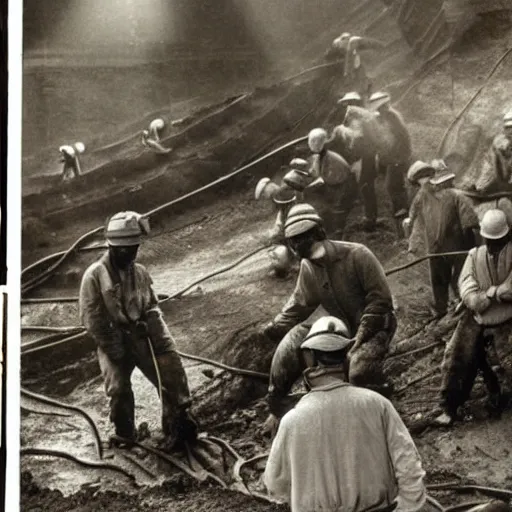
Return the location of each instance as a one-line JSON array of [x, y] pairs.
[[220, 317]]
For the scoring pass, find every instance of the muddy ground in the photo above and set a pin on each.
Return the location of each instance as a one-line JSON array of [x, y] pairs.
[[219, 318]]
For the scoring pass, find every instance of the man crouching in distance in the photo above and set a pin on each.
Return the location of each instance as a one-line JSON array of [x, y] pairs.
[[348, 281], [342, 447]]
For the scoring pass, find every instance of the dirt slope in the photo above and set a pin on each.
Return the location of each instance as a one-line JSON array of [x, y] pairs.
[[220, 318]]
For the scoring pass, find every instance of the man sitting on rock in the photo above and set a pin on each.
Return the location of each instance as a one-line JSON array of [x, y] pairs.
[[485, 285]]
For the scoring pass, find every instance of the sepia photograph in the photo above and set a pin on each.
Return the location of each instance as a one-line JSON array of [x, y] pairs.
[[266, 256]]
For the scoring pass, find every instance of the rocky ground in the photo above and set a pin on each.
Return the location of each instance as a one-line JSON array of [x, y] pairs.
[[219, 317]]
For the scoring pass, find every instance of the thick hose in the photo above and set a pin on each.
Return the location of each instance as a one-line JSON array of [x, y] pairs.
[[50, 401], [44, 413], [423, 258], [157, 368], [82, 462], [440, 148], [32, 347], [464, 506], [495, 492], [215, 273]]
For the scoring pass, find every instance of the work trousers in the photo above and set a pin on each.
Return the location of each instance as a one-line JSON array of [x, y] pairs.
[[117, 377], [444, 273], [465, 354], [365, 368], [395, 186]]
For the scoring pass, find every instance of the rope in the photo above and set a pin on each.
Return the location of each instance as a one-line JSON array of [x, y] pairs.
[[82, 462], [440, 148], [394, 270], [50, 401]]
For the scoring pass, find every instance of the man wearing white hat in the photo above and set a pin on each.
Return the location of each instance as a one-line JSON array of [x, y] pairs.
[[398, 158], [342, 447], [71, 160], [334, 201], [346, 280], [449, 224], [496, 169], [120, 311], [361, 157], [485, 285]]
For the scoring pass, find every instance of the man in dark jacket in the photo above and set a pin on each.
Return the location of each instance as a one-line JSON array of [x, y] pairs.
[[348, 281]]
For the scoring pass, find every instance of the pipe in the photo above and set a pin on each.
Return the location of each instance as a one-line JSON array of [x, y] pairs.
[[495, 492], [394, 270], [82, 462], [37, 348], [45, 300], [415, 351], [215, 273], [231, 369], [44, 413], [50, 401]]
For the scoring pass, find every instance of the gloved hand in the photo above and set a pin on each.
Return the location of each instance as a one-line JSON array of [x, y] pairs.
[[491, 292], [272, 331], [270, 426]]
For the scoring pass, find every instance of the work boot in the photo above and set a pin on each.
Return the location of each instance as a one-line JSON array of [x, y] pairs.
[[494, 405], [184, 431]]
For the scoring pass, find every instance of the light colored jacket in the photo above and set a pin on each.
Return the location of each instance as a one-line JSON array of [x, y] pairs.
[[479, 273], [344, 449], [446, 215], [112, 302], [496, 171], [348, 282]]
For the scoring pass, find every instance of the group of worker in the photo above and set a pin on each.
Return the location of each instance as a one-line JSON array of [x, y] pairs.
[[343, 445], [70, 153]]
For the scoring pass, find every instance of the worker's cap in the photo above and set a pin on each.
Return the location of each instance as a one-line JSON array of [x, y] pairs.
[[350, 96], [419, 170], [284, 195], [317, 138], [378, 99], [126, 229], [507, 119], [301, 218], [157, 124], [300, 164], [67, 149], [80, 147], [494, 225], [298, 180], [442, 176], [327, 334], [265, 188]]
